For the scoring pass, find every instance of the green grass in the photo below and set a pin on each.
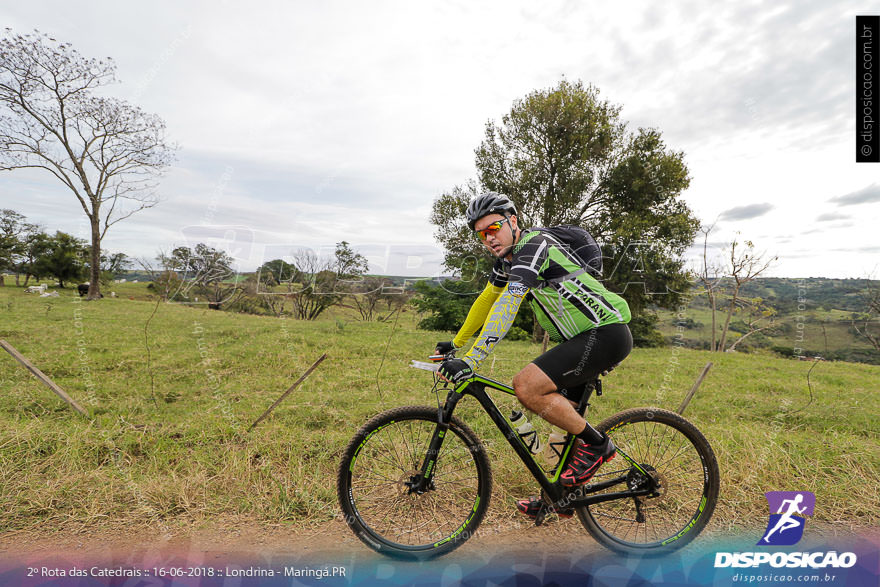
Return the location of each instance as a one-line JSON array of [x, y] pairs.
[[809, 336], [188, 457]]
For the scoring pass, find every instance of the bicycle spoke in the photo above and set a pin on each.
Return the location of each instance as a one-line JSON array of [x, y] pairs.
[[388, 449], [391, 456], [665, 450], [666, 453], [383, 458]]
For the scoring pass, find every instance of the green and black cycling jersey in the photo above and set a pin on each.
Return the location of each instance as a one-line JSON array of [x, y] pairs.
[[566, 297]]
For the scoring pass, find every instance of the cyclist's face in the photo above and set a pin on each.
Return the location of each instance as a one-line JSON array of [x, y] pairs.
[[498, 242]]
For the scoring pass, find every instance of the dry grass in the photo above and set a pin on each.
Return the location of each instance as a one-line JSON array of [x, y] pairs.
[[190, 460]]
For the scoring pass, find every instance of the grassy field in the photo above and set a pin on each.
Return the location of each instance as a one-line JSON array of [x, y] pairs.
[[187, 456], [815, 331]]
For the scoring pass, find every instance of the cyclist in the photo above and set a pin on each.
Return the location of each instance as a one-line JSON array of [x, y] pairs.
[[570, 303]]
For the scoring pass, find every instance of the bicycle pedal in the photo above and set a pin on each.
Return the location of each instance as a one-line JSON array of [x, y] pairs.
[[541, 517]]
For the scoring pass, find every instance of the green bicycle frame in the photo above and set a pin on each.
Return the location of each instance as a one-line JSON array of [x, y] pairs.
[[476, 387]]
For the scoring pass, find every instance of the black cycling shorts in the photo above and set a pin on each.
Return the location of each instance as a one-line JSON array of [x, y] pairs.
[[583, 358]]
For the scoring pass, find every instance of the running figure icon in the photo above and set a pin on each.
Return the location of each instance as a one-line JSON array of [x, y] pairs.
[[787, 521]]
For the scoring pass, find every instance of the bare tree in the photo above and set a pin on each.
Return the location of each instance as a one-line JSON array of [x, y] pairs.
[[163, 278], [318, 291], [871, 297], [273, 301], [710, 275], [365, 297], [758, 317], [745, 266], [108, 152]]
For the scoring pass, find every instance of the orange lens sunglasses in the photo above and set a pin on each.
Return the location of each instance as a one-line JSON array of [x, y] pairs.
[[491, 229]]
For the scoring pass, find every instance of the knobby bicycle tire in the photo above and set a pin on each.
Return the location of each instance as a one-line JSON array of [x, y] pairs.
[[384, 454], [685, 463]]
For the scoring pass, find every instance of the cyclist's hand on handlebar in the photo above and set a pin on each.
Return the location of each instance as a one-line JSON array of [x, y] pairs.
[[444, 348], [455, 370]]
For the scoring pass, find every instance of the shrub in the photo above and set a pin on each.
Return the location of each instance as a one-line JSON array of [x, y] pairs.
[[644, 331]]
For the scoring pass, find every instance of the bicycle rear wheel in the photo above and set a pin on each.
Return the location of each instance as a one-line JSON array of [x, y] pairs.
[[679, 457], [385, 455]]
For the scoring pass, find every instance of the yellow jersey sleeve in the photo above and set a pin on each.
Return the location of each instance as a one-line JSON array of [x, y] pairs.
[[477, 314], [498, 322]]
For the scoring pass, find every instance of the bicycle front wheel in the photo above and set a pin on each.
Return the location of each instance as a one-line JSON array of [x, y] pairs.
[[677, 455], [384, 456]]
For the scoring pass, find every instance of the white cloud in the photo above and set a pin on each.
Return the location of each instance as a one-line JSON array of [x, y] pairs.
[[350, 118]]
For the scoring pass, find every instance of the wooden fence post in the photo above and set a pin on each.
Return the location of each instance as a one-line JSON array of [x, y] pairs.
[[286, 393], [690, 395], [42, 377]]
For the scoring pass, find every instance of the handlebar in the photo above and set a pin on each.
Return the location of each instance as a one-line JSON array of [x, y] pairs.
[[434, 365], [424, 366]]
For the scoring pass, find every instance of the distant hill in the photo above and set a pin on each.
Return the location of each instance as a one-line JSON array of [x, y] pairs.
[[819, 292], [814, 318]]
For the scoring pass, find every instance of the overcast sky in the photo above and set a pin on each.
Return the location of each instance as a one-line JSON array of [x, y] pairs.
[[303, 123]]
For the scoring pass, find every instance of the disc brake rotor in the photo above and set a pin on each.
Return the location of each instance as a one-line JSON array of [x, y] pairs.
[[636, 480], [404, 483]]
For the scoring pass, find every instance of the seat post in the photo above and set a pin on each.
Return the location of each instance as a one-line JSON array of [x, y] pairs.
[[588, 390]]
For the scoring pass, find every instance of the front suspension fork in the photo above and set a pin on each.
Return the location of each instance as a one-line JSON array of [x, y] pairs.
[[425, 479]]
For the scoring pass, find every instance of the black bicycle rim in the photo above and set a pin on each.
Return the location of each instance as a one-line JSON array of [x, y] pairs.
[[389, 457], [685, 466]]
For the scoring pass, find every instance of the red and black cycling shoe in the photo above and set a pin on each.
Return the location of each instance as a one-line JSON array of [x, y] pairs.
[[585, 461], [531, 506]]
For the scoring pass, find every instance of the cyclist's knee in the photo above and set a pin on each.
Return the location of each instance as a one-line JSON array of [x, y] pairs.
[[524, 392], [524, 397], [519, 387], [531, 383]]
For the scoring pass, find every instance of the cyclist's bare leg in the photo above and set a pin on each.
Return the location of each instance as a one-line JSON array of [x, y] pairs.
[[537, 392]]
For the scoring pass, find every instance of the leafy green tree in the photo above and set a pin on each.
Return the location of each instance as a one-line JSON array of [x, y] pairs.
[[271, 274], [564, 157], [208, 271], [448, 303], [464, 254], [115, 264], [34, 248], [61, 256], [112, 266], [276, 272], [645, 332], [349, 264], [15, 234], [10, 241]]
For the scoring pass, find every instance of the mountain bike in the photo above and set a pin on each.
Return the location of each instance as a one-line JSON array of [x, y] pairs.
[[415, 481]]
